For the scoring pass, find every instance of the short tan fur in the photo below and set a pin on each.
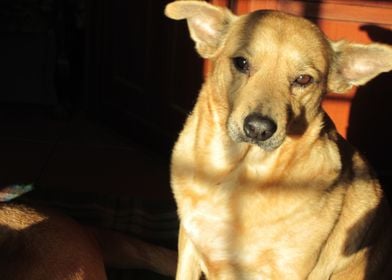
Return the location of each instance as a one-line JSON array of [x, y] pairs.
[[265, 186]]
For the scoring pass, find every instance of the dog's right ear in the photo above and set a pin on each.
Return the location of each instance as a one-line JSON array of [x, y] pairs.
[[207, 24]]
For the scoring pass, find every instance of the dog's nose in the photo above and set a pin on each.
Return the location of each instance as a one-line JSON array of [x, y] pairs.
[[258, 127]]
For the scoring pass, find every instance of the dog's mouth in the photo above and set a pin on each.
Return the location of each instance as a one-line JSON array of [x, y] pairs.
[[257, 130]]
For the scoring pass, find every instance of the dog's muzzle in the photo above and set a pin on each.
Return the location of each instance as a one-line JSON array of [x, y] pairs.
[[258, 127]]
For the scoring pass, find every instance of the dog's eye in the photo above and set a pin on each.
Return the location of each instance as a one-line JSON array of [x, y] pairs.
[[241, 64], [303, 80]]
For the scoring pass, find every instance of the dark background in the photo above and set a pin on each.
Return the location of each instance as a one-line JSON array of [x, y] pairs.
[[83, 81], [92, 97]]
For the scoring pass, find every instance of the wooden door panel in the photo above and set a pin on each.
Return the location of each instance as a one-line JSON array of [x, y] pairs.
[[379, 12]]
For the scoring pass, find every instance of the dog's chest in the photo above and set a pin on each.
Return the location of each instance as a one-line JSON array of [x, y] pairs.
[[229, 233], [210, 226]]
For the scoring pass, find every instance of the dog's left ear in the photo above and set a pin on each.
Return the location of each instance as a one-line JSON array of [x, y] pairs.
[[207, 23], [356, 64]]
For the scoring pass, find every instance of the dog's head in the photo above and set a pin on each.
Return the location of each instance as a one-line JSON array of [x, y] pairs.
[[273, 69]]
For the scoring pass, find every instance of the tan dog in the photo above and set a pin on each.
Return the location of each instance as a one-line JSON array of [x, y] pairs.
[[38, 244], [265, 187]]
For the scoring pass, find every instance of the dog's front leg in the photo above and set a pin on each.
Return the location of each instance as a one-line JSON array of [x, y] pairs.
[[188, 267]]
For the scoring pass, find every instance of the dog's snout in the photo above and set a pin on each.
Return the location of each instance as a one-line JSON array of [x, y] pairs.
[[258, 127]]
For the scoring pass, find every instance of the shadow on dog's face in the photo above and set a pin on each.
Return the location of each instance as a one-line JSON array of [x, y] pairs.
[[278, 70]]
